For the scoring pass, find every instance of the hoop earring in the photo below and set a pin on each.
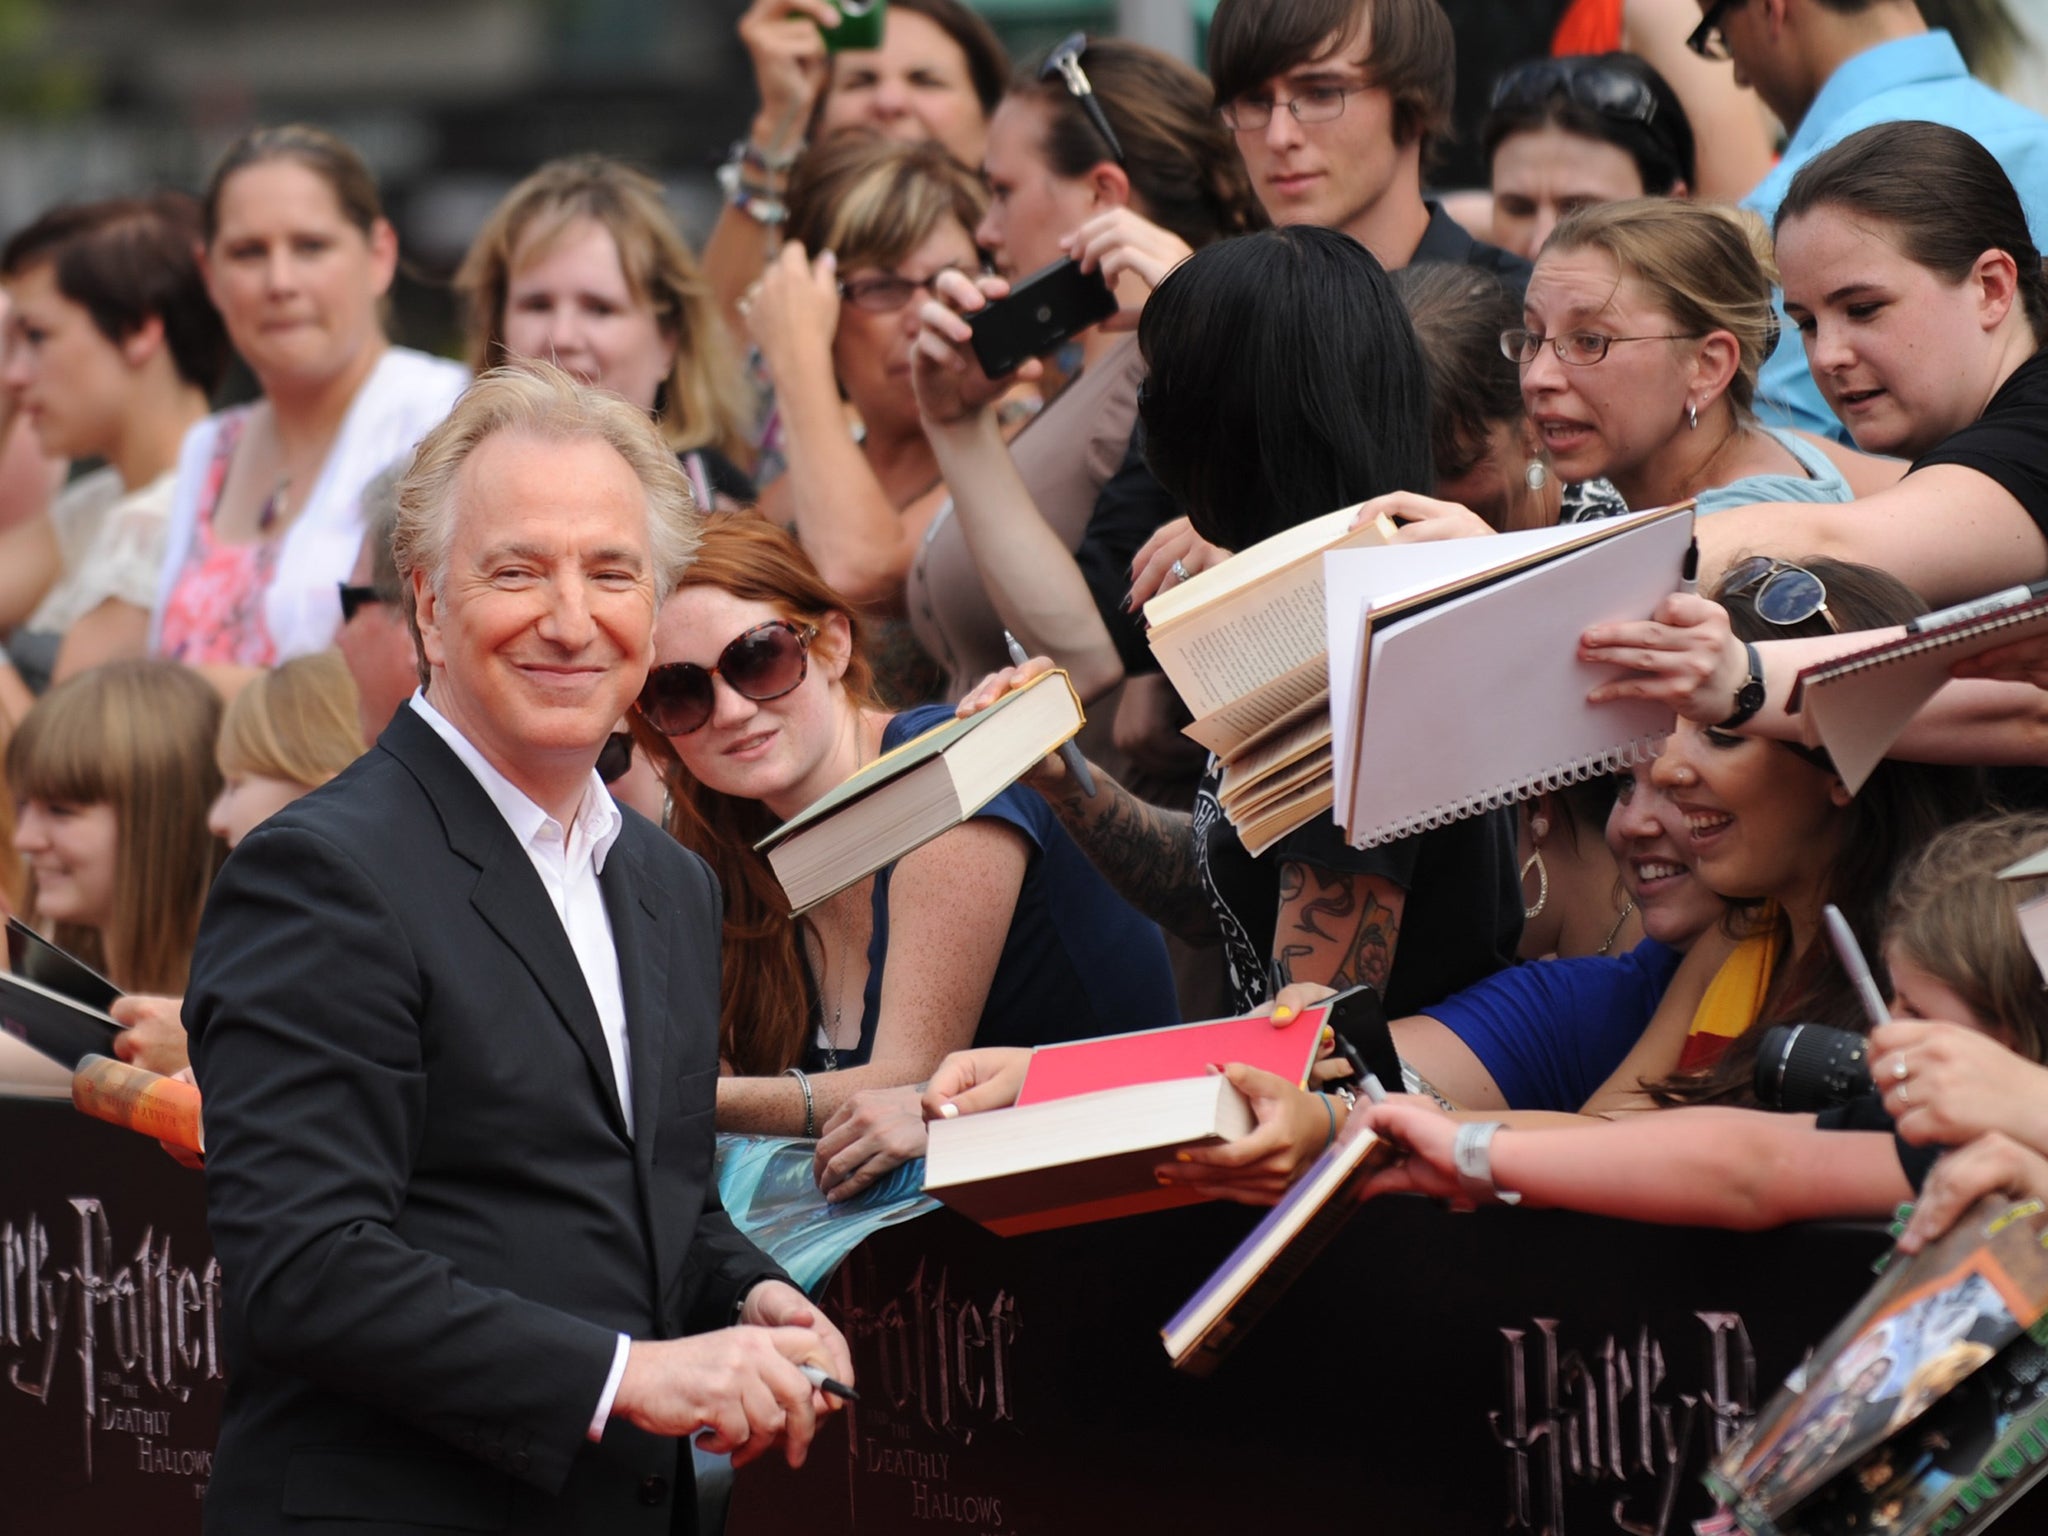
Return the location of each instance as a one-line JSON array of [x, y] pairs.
[[1692, 416], [1530, 914], [1535, 475]]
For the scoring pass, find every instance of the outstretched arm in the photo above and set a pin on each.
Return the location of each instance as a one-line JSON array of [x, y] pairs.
[[1741, 1168]]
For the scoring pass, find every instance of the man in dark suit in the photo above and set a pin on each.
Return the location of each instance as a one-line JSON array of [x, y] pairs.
[[455, 1017]]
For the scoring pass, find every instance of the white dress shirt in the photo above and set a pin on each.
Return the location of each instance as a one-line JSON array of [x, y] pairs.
[[568, 861]]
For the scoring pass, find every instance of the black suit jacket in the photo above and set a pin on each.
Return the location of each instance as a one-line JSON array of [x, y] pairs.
[[431, 1221]]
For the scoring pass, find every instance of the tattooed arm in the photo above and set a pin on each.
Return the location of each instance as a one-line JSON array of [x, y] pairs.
[[1147, 853], [1336, 929]]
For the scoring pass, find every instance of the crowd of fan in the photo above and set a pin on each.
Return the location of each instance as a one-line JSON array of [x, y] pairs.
[[1840, 357]]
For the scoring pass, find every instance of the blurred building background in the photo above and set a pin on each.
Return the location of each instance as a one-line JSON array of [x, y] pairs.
[[451, 101]]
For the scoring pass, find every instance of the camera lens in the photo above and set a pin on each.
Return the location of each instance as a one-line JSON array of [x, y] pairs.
[[1801, 1068]]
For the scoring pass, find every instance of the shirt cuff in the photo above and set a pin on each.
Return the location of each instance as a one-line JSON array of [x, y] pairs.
[[611, 1388]]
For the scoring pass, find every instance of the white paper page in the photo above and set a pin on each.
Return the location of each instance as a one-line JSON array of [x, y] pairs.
[[1482, 697], [2033, 917], [1357, 580]]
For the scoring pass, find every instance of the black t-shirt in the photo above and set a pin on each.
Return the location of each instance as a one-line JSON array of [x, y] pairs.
[[1461, 921], [2009, 442], [1129, 509], [1448, 242], [1867, 1113]]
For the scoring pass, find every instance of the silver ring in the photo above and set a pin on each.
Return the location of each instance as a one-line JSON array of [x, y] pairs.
[[1180, 572], [1899, 1068], [1905, 1094]]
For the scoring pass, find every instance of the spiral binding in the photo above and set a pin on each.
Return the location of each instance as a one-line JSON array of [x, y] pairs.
[[1920, 645], [1615, 759]]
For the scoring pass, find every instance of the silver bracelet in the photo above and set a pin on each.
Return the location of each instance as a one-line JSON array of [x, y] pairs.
[[810, 1105], [1472, 1156]]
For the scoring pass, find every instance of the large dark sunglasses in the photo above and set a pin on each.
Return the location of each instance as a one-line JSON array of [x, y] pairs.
[[1782, 593], [1595, 86], [766, 662], [354, 597], [1065, 62]]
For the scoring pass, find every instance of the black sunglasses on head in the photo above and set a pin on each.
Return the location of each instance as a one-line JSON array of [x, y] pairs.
[[766, 662], [1065, 62], [1591, 84]]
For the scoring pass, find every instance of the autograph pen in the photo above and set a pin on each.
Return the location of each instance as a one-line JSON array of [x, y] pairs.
[[1070, 754], [817, 1378], [1689, 574], [1850, 953]]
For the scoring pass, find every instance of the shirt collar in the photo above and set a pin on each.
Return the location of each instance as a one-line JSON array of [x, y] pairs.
[[1920, 59], [597, 818]]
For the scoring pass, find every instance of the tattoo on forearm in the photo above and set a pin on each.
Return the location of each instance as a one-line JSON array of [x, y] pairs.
[[1369, 957], [1146, 853], [1324, 925]]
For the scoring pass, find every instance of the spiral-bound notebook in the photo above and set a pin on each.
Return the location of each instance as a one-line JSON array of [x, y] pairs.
[[1457, 687], [1859, 703]]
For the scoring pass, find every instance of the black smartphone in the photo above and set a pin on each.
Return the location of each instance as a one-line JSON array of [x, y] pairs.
[[1042, 311], [860, 25]]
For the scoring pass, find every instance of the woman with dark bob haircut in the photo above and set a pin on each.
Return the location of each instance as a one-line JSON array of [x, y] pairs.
[[1286, 382]]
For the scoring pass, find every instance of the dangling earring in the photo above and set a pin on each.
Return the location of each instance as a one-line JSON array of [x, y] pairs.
[[1535, 475], [1692, 416], [1539, 828]]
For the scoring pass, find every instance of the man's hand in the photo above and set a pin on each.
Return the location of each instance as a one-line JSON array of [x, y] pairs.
[[740, 1384], [774, 1304], [155, 1033], [874, 1131]]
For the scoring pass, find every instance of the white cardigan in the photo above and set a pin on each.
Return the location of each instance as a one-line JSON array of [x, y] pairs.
[[403, 398]]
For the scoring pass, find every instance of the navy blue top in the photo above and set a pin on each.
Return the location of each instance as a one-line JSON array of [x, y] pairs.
[[1078, 961], [1552, 1031]]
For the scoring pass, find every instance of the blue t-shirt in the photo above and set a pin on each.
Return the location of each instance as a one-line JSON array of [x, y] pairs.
[[1550, 1032], [1919, 77], [1078, 962]]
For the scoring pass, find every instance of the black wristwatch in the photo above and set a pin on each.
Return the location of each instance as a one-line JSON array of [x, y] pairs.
[[1749, 698]]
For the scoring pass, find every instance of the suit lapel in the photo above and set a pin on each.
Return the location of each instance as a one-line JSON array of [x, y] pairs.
[[643, 972], [509, 895]]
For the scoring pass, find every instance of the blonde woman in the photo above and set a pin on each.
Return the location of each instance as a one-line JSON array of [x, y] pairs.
[[288, 732], [582, 265]]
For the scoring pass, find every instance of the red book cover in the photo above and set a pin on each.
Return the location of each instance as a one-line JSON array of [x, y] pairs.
[[1185, 1050]]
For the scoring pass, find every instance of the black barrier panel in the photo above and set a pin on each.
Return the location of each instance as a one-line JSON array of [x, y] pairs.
[[110, 1370], [1431, 1373]]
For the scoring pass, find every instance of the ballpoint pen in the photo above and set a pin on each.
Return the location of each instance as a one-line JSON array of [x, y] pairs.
[[1070, 752]]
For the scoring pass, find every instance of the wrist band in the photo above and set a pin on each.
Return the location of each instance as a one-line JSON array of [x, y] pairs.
[[810, 1105], [1472, 1156], [747, 152], [1330, 1109], [759, 203]]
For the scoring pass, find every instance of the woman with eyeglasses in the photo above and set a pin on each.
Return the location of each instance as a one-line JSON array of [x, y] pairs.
[[873, 223], [1920, 297], [1108, 151], [931, 70], [1572, 133], [760, 701], [1643, 330]]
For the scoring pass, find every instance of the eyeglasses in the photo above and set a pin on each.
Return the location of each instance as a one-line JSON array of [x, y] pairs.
[[1707, 39], [1781, 593], [1579, 348], [1065, 61], [766, 662], [354, 597], [1591, 84], [890, 291], [1316, 104]]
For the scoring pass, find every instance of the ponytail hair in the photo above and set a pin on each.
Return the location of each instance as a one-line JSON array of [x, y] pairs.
[[1942, 195]]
